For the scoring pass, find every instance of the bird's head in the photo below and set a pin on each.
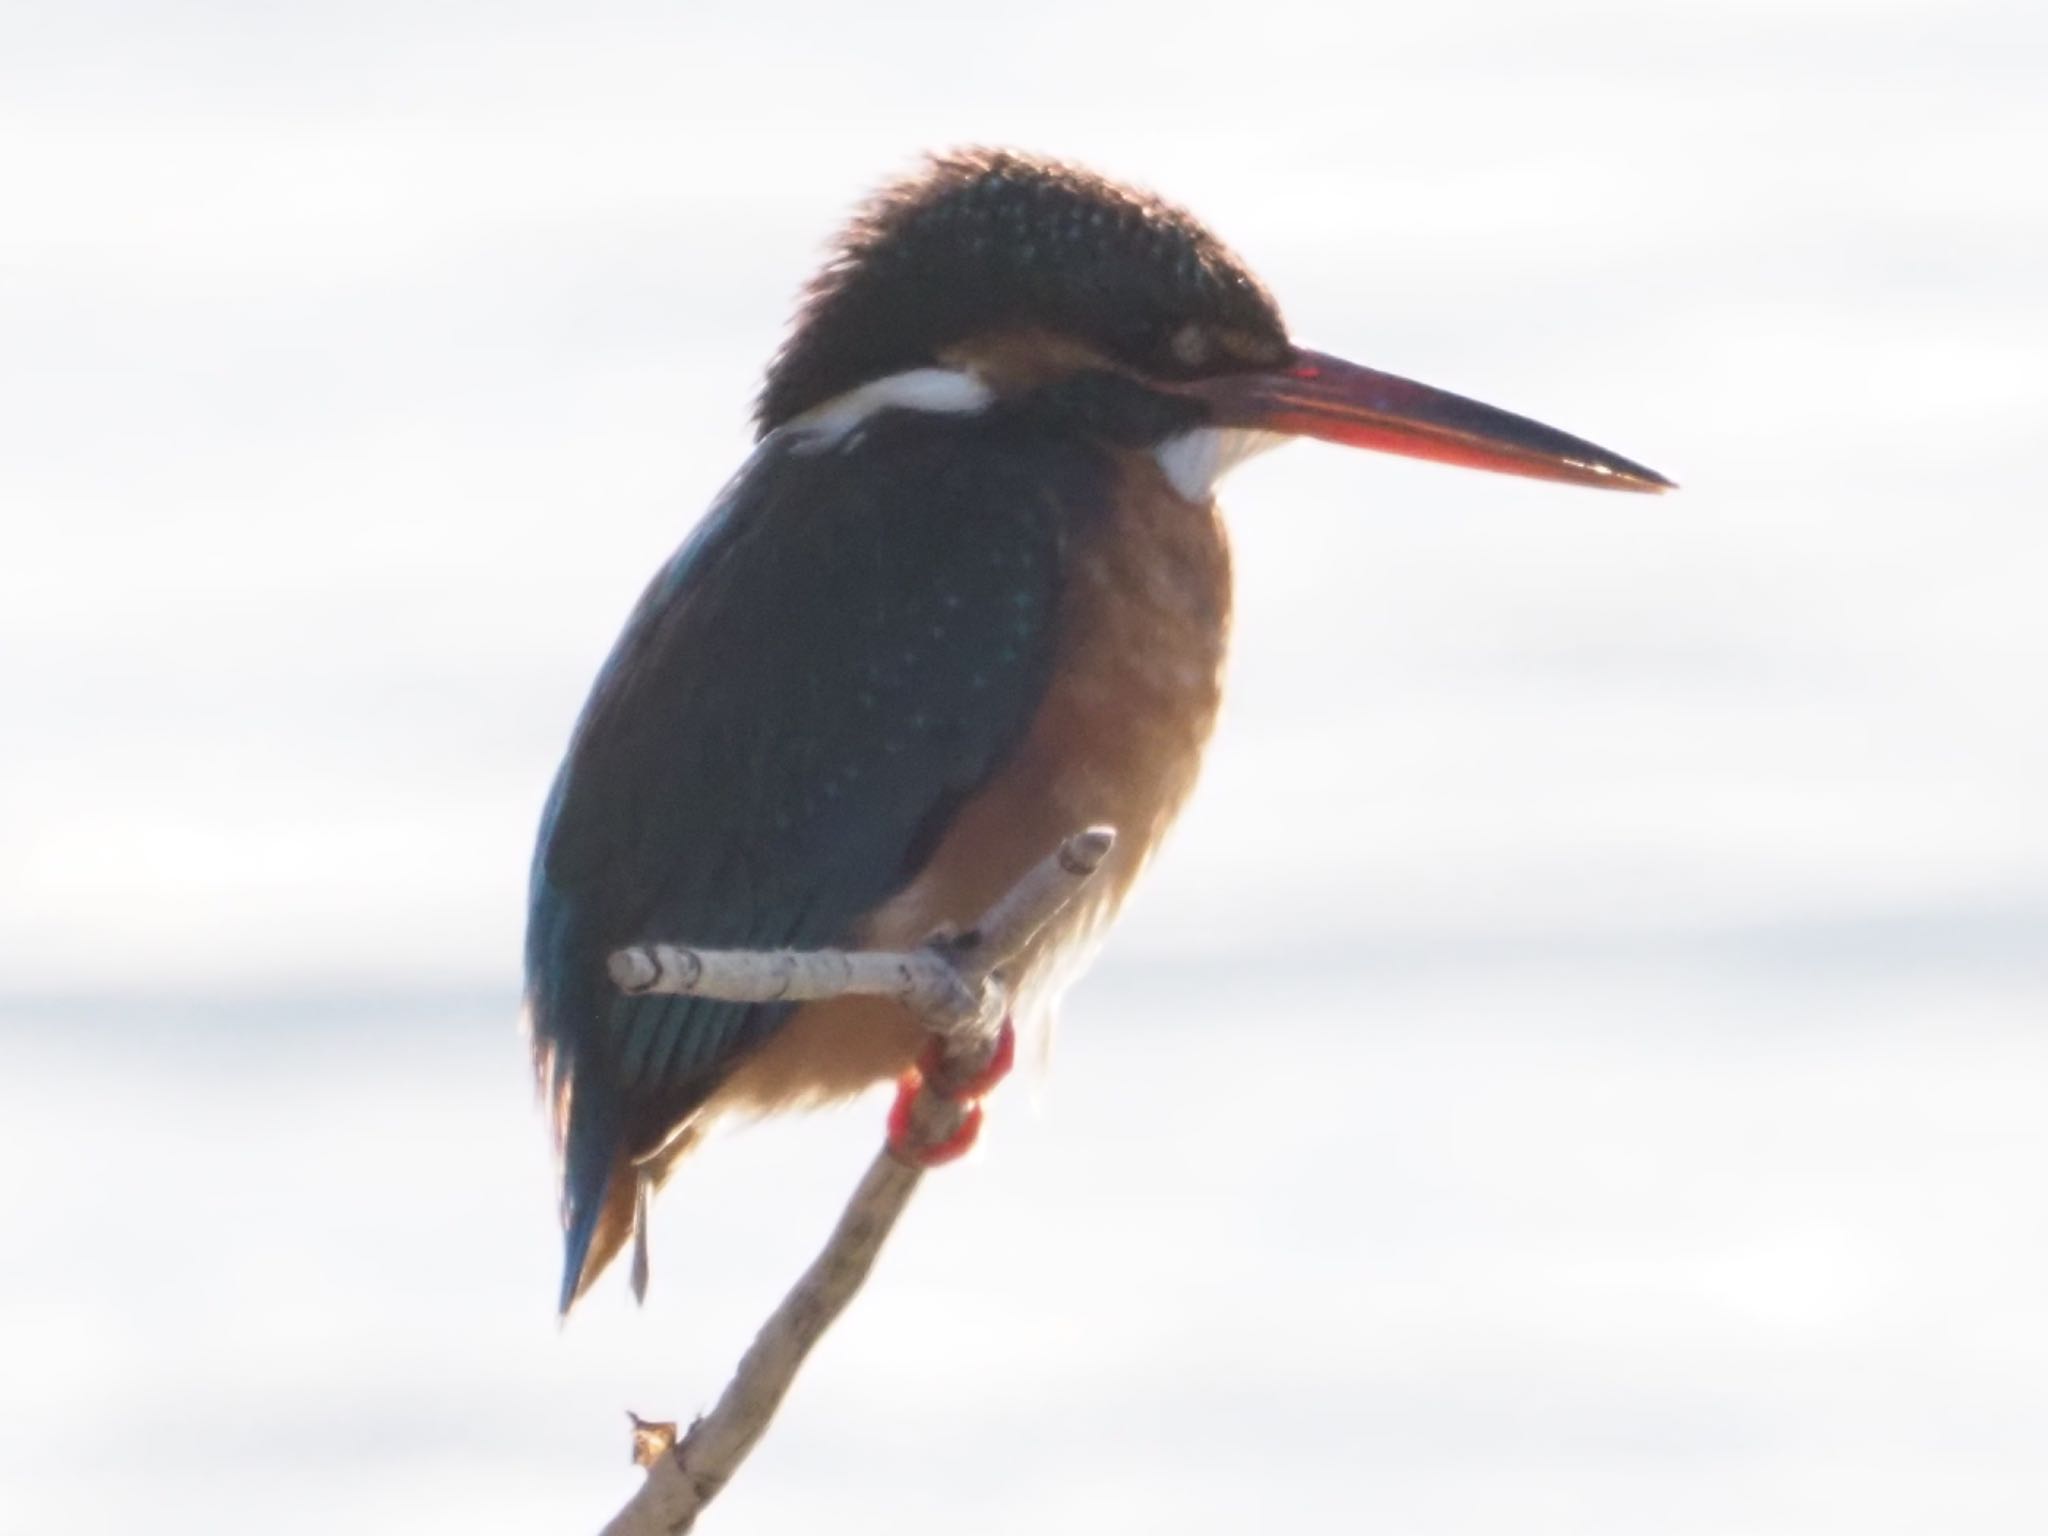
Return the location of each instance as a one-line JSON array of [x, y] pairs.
[[1003, 272]]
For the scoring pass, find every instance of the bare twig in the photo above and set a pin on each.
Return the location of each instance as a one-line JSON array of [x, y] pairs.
[[950, 982]]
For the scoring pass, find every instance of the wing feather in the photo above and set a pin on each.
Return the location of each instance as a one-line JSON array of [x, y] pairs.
[[850, 644]]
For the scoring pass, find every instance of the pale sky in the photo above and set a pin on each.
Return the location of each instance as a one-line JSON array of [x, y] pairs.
[[361, 365], [1617, 928]]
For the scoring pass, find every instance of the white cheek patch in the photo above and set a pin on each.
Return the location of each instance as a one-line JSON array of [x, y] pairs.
[[1194, 461], [838, 422]]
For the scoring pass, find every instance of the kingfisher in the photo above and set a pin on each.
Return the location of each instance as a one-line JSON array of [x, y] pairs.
[[969, 594]]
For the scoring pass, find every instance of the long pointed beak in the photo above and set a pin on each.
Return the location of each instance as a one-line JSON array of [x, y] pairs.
[[1316, 395]]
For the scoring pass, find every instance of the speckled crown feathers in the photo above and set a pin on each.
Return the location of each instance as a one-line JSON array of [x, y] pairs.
[[984, 240]]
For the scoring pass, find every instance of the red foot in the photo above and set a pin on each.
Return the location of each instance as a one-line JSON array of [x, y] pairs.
[[902, 1145]]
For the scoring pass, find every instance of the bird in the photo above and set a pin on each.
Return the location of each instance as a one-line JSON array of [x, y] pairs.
[[969, 593]]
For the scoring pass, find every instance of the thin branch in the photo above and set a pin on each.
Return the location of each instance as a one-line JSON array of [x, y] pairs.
[[950, 982]]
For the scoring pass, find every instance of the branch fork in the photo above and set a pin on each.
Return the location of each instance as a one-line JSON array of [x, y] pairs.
[[952, 983]]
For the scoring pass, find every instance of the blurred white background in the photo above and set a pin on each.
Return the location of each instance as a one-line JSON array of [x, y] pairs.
[[1578, 1068]]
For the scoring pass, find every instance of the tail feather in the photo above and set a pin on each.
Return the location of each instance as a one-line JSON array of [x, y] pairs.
[[600, 1226], [597, 1229]]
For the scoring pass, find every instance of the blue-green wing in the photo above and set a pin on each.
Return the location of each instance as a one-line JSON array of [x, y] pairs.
[[847, 648]]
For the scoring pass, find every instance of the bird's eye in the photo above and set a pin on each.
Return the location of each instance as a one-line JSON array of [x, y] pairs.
[[1190, 346]]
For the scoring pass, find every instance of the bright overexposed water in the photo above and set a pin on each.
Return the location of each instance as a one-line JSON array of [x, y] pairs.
[[1578, 1067], [1742, 1236]]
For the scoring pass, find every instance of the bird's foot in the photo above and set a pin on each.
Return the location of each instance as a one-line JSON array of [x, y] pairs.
[[933, 1068], [905, 1145], [932, 1072]]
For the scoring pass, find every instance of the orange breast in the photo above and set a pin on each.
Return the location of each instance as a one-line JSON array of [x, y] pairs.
[[1117, 740]]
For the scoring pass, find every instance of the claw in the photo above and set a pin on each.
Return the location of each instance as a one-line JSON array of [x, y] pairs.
[[903, 1143], [908, 1087]]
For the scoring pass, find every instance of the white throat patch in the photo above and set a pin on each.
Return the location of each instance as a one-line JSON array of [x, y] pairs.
[[838, 422], [1194, 461]]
